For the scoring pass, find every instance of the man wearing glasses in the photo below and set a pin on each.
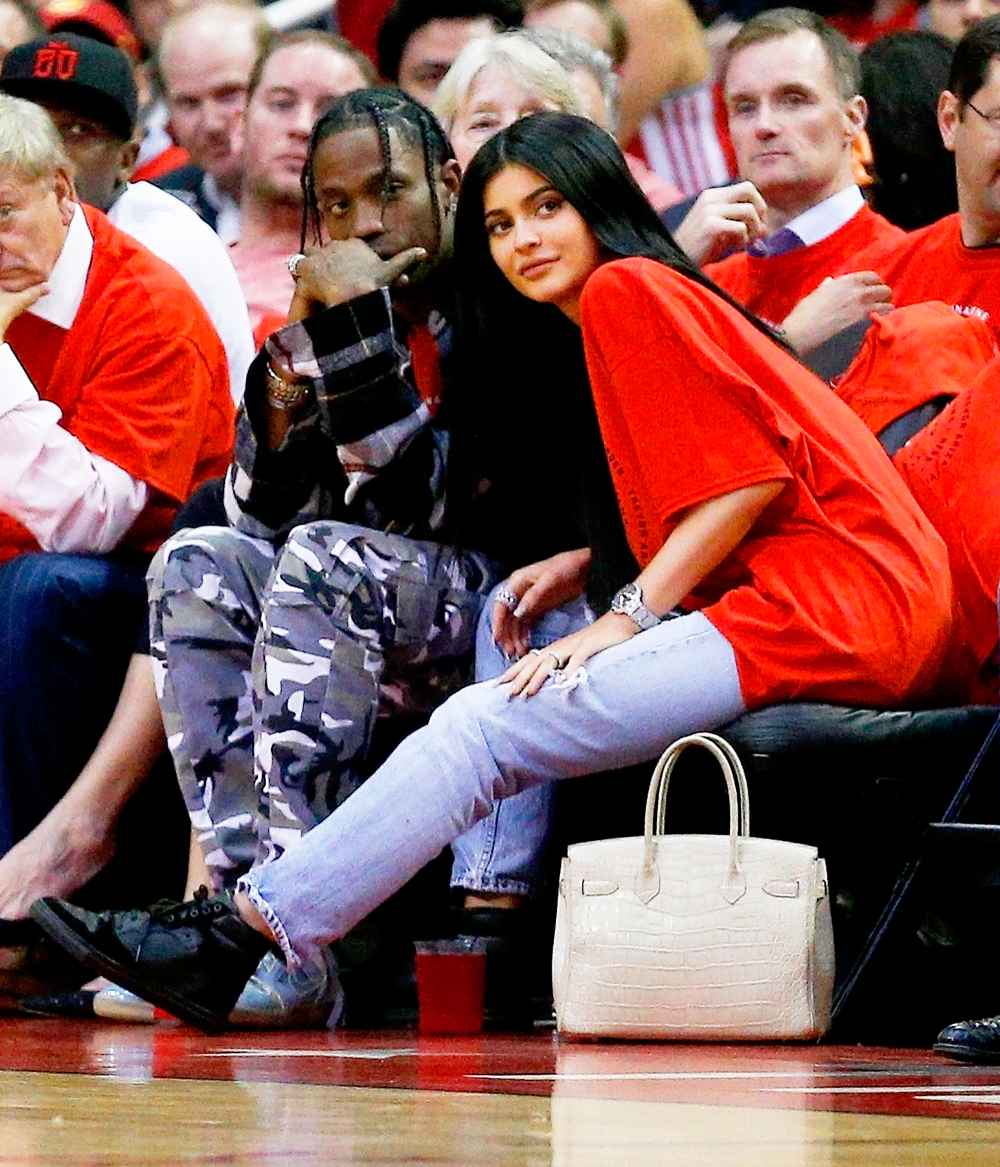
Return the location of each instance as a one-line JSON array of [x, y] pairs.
[[957, 259]]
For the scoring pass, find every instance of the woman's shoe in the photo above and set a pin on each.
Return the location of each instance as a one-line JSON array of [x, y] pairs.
[[276, 997]]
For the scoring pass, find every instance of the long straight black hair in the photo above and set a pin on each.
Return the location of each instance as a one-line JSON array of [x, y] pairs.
[[524, 404]]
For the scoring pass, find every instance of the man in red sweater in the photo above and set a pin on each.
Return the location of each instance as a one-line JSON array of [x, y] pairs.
[[791, 90], [956, 259], [114, 405]]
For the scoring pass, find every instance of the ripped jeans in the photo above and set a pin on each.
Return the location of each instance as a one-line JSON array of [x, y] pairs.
[[478, 748], [504, 851]]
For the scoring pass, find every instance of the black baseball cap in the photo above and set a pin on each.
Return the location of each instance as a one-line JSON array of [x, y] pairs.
[[91, 77]]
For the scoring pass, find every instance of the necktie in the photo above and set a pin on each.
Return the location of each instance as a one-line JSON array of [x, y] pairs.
[[776, 244]]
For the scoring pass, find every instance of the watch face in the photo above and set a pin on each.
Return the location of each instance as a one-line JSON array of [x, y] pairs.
[[626, 600]]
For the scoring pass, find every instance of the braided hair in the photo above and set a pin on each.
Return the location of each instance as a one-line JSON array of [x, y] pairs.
[[383, 110]]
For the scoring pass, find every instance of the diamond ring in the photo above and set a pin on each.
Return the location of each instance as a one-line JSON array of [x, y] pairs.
[[506, 597]]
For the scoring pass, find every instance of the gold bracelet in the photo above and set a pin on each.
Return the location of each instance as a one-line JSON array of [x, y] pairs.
[[282, 394]]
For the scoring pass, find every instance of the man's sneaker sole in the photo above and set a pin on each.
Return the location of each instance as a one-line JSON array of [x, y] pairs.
[[63, 933]]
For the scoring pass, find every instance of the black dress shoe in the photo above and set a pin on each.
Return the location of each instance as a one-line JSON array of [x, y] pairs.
[[192, 959], [971, 1041]]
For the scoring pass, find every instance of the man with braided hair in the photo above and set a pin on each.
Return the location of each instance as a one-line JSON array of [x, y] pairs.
[[337, 594]]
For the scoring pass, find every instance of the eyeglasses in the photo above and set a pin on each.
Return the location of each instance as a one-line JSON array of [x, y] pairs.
[[992, 119]]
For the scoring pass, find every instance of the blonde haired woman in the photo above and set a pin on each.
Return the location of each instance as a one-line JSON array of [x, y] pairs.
[[494, 82], [497, 80]]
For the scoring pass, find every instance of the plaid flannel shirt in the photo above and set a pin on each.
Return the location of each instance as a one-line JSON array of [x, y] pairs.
[[365, 450]]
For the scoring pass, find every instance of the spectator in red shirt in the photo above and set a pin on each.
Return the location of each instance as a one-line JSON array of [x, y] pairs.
[[791, 89], [114, 405], [956, 259], [94, 111]]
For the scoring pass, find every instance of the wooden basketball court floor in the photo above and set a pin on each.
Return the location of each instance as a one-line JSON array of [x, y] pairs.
[[104, 1094]]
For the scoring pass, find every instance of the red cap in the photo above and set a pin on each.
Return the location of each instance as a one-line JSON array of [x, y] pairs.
[[94, 17]]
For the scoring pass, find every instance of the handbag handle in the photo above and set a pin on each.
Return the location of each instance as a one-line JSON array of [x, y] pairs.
[[648, 881], [735, 766]]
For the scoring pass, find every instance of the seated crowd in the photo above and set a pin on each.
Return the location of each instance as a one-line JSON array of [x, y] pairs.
[[759, 350]]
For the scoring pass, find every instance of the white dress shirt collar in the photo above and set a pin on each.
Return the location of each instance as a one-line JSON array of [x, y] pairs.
[[820, 222], [68, 280], [227, 209]]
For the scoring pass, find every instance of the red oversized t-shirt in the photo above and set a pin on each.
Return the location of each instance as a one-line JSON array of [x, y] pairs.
[[771, 286], [141, 378], [841, 592], [934, 264], [951, 467]]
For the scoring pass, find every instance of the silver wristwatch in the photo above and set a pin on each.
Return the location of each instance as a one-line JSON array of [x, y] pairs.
[[628, 601]]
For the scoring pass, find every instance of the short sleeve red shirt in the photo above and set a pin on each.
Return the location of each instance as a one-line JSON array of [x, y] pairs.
[[951, 468], [771, 286], [934, 264], [841, 592]]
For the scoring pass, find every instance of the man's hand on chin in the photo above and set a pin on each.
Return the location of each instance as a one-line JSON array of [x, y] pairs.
[[12, 304], [343, 270]]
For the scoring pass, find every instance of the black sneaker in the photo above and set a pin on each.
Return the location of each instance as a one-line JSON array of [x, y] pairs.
[[191, 959], [971, 1041]]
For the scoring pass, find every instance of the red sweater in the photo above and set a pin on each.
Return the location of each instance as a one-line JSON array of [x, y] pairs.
[[771, 286], [934, 264], [141, 379]]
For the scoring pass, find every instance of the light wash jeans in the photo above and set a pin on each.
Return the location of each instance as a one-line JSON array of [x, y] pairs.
[[627, 705], [503, 852]]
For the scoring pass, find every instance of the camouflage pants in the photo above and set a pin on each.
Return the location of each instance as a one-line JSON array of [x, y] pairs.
[[272, 665]]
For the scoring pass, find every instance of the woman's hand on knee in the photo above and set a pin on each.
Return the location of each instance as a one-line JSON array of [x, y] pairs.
[[527, 675], [537, 589]]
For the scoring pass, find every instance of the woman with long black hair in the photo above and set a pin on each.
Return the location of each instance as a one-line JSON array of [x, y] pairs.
[[758, 504]]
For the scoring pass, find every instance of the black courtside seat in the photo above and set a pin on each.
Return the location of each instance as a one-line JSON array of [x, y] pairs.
[[905, 806]]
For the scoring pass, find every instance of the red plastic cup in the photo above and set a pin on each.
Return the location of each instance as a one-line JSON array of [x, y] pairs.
[[451, 982]]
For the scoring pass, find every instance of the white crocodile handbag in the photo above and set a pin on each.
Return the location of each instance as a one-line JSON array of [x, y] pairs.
[[693, 937]]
